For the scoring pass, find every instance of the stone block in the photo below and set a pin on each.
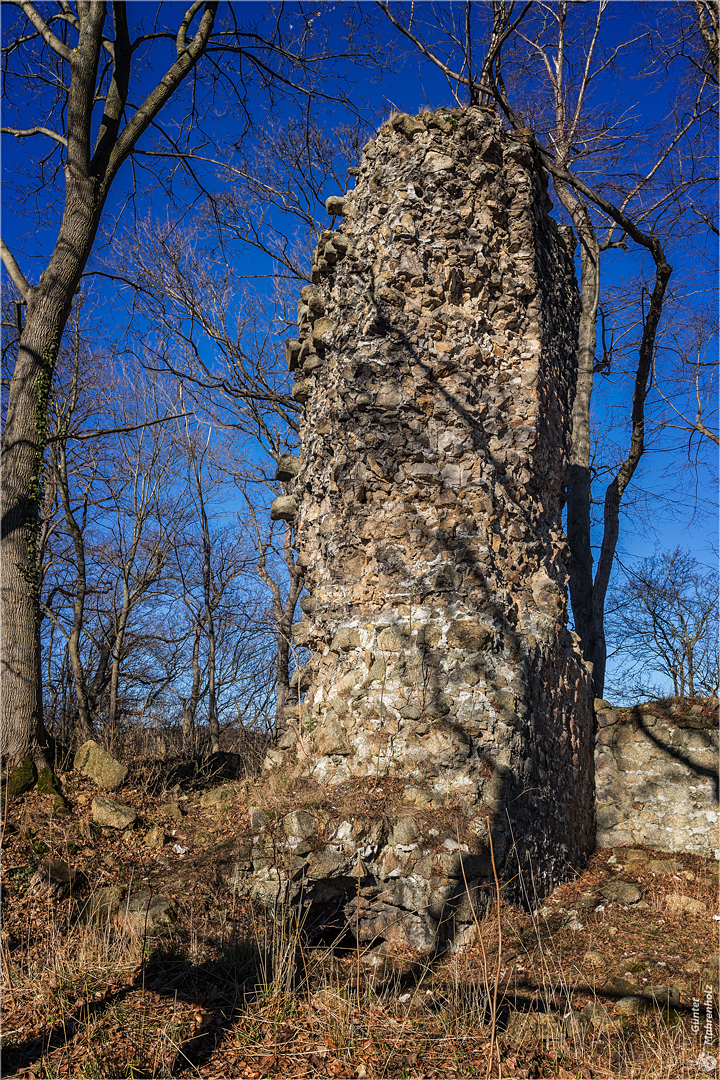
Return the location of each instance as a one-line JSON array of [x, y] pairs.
[[346, 638], [437, 163], [284, 508], [623, 892], [300, 824], [336, 205], [288, 466], [146, 914], [468, 634], [677, 904], [111, 814], [93, 761], [409, 126], [103, 905]]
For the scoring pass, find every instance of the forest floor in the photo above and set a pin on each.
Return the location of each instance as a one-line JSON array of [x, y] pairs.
[[225, 994]]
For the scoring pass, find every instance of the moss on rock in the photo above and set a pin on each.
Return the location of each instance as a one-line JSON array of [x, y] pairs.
[[22, 778], [48, 784]]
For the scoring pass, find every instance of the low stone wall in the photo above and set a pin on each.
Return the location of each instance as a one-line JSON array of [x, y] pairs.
[[657, 776]]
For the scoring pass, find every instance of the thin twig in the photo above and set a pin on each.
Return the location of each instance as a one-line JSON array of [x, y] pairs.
[[493, 1007], [357, 932], [6, 965]]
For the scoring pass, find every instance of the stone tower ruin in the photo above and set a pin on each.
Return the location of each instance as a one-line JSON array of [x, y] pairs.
[[435, 366]]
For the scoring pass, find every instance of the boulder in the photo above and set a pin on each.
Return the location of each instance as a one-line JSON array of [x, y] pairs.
[[633, 1005], [665, 997], [220, 797], [103, 905], [664, 866], [146, 914], [677, 904], [155, 837], [623, 892], [113, 815], [172, 810], [91, 760], [283, 508]]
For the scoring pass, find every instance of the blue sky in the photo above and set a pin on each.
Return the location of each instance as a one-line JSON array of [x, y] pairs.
[[676, 504]]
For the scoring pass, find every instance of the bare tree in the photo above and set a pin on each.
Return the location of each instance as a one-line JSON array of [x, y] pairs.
[[90, 165], [217, 562], [275, 562], [663, 620]]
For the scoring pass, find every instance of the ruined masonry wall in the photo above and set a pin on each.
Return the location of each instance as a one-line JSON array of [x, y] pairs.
[[435, 365], [657, 776]]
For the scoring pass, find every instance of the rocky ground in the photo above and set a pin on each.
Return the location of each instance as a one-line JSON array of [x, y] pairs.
[[124, 953]]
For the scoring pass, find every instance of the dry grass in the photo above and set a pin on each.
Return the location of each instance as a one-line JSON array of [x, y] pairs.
[[229, 995]]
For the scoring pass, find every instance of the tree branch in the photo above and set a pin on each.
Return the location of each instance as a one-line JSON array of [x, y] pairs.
[[184, 25], [33, 15], [16, 275], [164, 90], [112, 431], [34, 131]]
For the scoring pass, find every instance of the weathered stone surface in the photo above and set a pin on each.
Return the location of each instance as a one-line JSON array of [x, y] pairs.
[[171, 810], [258, 818], [146, 914], [284, 508], [335, 205], [53, 878], [429, 510], [623, 892], [656, 777], [102, 905], [408, 125], [677, 904], [665, 997], [218, 796], [156, 837], [112, 814], [300, 824], [93, 761], [288, 466], [632, 1005]]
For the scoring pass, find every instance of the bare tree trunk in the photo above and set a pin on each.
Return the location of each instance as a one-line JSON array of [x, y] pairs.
[[190, 706], [283, 619], [578, 476], [616, 489], [284, 634], [22, 479], [85, 718], [213, 719]]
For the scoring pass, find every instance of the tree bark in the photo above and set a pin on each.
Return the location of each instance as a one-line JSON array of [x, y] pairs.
[[579, 479], [190, 706]]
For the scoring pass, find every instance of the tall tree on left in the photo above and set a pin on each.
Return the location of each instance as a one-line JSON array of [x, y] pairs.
[[99, 129]]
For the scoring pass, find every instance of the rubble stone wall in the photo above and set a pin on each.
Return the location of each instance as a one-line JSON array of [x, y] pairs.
[[657, 776], [435, 363]]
